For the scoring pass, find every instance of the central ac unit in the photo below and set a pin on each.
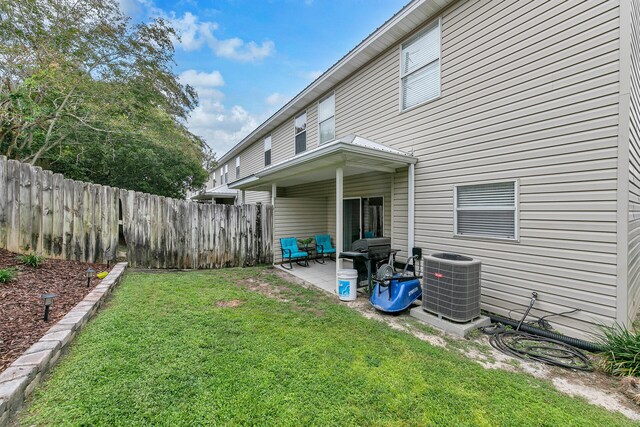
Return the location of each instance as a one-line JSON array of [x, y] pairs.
[[451, 286]]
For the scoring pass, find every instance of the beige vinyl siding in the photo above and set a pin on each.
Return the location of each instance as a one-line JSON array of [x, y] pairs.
[[529, 92], [282, 142], [252, 159], [399, 220], [634, 167], [300, 218], [253, 197]]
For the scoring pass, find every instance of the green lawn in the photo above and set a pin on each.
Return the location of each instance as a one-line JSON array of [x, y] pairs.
[[164, 352]]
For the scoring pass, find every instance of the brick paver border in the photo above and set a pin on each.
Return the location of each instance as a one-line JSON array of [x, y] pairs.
[[25, 373]]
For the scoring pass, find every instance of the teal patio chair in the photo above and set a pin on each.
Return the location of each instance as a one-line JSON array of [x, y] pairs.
[[291, 252], [324, 247]]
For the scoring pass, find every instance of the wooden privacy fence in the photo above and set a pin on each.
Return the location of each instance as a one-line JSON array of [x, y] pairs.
[[61, 218]]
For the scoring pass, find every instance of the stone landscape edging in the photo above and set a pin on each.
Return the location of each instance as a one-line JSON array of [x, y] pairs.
[[25, 373]]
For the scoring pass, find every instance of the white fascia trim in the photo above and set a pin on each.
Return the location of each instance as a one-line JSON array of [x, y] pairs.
[[242, 181], [329, 149]]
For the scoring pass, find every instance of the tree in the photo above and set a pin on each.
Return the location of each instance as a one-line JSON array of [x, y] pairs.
[[83, 91]]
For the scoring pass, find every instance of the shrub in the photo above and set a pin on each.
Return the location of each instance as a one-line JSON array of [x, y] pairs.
[[621, 350], [7, 274], [32, 260]]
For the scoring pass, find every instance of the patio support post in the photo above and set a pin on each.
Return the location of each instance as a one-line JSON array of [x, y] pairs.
[[339, 218], [411, 209], [274, 189], [243, 197]]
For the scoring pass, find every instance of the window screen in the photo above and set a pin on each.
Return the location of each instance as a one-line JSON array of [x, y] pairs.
[[301, 132], [267, 151], [326, 119], [486, 210], [420, 67]]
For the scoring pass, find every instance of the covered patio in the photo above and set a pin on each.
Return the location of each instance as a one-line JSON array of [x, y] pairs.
[[349, 188]]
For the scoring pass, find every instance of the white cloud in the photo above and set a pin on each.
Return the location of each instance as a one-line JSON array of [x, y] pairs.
[[194, 34], [200, 79], [220, 126], [276, 99]]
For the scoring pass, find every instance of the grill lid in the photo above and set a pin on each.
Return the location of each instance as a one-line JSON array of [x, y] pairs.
[[365, 245]]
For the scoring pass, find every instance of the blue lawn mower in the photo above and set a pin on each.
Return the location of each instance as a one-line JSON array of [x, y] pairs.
[[394, 292]]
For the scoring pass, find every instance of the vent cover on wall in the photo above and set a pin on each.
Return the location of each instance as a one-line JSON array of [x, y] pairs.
[[451, 286]]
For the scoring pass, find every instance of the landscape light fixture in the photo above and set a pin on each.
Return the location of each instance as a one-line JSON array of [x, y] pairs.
[[90, 273], [48, 302]]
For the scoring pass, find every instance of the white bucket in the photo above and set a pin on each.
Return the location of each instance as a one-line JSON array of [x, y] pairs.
[[346, 284]]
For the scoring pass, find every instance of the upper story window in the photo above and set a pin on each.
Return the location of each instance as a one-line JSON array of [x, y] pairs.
[[300, 124], [222, 175], [420, 67], [326, 119], [486, 210], [267, 151], [238, 167], [226, 173]]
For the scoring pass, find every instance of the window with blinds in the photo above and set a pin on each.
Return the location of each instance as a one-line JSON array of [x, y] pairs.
[[226, 173], [300, 124], [326, 119], [420, 67], [486, 210], [238, 167], [267, 151]]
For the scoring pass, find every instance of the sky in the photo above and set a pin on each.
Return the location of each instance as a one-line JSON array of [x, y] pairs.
[[247, 58]]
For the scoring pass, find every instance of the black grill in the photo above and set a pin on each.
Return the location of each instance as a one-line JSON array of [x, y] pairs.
[[366, 254]]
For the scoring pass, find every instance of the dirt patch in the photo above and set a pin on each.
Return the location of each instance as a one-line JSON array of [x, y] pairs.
[[282, 294], [230, 304], [21, 307]]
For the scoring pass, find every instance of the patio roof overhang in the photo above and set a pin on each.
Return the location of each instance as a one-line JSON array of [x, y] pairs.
[[219, 192], [356, 155]]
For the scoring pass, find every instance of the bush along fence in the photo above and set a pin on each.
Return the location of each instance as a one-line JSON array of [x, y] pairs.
[[61, 218]]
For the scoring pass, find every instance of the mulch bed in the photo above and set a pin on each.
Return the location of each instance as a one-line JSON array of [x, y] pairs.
[[21, 307]]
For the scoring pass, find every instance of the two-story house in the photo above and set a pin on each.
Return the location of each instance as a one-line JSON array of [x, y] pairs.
[[503, 130]]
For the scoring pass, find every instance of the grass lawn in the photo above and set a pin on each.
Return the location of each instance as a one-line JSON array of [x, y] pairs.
[[178, 349]]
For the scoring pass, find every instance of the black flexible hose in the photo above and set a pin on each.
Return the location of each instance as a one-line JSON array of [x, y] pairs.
[[582, 344], [541, 349]]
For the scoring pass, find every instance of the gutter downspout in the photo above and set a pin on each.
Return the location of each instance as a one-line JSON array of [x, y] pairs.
[[411, 209]]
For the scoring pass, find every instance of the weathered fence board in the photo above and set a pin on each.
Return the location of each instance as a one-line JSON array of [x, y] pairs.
[[13, 206], [3, 202], [61, 218]]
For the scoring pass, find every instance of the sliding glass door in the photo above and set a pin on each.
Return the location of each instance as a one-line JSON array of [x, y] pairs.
[[363, 217], [372, 217]]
